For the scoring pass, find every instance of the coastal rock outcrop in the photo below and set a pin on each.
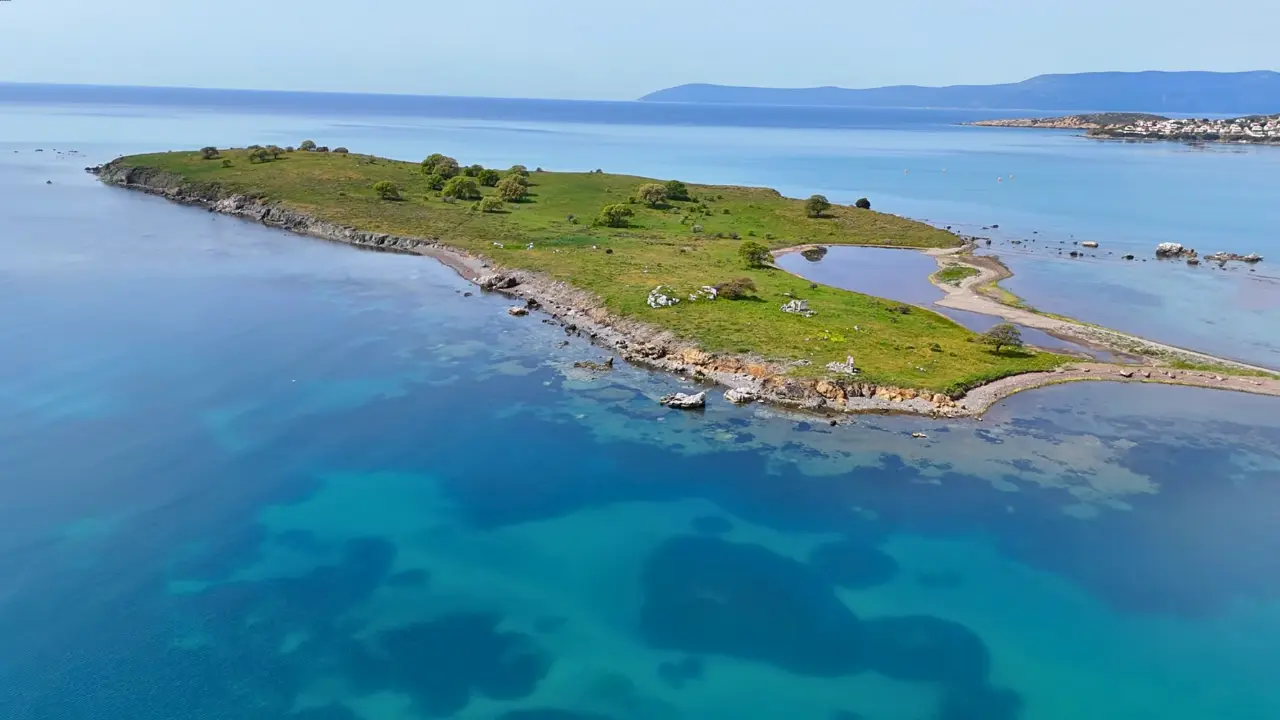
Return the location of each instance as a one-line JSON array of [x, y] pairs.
[[798, 307], [682, 401], [658, 299], [1173, 250], [1225, 257], [741, 396], [497, 281]]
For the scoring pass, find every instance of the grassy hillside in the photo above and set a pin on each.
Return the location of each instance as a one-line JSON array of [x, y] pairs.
[[681, 245]]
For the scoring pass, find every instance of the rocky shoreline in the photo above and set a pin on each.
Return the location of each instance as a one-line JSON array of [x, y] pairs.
[[581, 314]]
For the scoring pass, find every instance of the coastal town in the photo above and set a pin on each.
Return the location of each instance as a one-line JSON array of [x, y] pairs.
[[1257, 129], [1252, 129]]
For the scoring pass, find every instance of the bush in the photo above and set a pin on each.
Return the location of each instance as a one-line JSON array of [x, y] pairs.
[[697, 229], [676, 190], [461, 188], [323, 148], [1002, 336], [386, 190], [520, 170], [489, 178], [491, 204], [737, 288], [259, 155], [753, 254], [615, 216], [652, 194], [863, 204], [816, 205], [226, 162], [307, 145], [442, 165], [435, 182], [512, 188], [473, 171], [341, 150], [275, 150], [209, 153]]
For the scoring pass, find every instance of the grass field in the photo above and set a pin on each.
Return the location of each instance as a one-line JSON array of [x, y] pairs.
[[955, 274], [679, 245]]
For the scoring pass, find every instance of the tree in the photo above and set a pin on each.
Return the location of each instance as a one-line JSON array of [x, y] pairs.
[[754, 254], [435, 182], [442, 165], [652, 194], [491, 204], [473, 171], [307, 145], [1003, 335], [461, 188], [209, 153], [275, 150], [615, 215], [676, 190], [863, 204], [386, 190], [816, 205], [489, 178], [259, 155], [737, 288], [512, 188], [520, 170]]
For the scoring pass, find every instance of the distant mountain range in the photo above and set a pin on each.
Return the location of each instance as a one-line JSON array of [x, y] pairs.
[[1153, 91]]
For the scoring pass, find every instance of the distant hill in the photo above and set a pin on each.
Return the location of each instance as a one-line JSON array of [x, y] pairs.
[[1153, 91]]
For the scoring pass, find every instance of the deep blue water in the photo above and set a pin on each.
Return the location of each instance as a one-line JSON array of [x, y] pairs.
[[251, 475]]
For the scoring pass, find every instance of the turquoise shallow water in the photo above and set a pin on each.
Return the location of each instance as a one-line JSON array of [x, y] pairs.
[[251, 475]]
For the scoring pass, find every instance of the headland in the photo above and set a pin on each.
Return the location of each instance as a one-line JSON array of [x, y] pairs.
[[671, 275], [1252, 129]]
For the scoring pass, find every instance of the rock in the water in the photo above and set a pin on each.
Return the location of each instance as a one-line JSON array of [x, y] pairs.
[[685, 402], [605, 366], [517, 311], [1089, 244], [497, 281], [657, 299], [798, 307], [1173, 249], [740, 396], [1222, 257]]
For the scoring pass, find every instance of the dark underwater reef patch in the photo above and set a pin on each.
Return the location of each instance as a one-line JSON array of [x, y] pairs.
[[707, 596], [443, 663], [853, 564]]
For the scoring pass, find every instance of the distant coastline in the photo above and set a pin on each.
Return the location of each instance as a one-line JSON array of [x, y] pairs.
[[1252, 129]]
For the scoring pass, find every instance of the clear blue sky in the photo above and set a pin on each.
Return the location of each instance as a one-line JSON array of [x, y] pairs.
[[603, 49]]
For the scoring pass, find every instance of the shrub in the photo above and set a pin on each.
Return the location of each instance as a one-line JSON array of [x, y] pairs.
[[289, 149], [900, 309], [341, 150], [520, 170], [461, 188], [491, 204], [209, 153], [489, 178], [226, 162], [863, 204], [512, 188], [724, 211], [307, 145], [435, 182], [816, 205], [473, 171], [615, 216], [259, 155], [676, 190], [753, 254], [737, 288], [697, 229], [1002, 336], [386, 190], [275, 150], [323, 148]]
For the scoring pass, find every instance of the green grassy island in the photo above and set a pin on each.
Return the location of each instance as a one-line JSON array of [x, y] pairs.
[[619, 237]]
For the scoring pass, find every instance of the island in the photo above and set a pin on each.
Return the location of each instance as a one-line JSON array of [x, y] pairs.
[[1256, 129], [671, 275]]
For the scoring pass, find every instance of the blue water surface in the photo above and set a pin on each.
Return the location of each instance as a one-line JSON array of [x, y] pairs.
[[245, 474]]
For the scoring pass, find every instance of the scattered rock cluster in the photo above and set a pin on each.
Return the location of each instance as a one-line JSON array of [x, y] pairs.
[[798, 307], [657, 299]]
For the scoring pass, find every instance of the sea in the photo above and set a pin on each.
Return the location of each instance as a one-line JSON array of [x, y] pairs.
[[249, 475]]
